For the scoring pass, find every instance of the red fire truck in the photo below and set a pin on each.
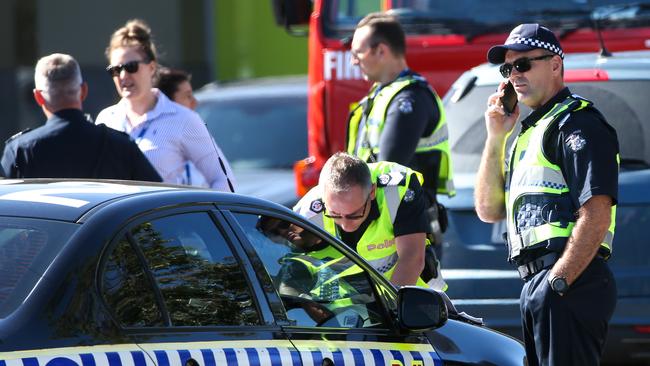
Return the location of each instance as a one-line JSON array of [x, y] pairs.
[[444, 38]]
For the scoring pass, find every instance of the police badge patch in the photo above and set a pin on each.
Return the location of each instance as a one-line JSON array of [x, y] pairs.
[[405, 105], [409, 195], [575, 141], [316, 206], [383, 180]]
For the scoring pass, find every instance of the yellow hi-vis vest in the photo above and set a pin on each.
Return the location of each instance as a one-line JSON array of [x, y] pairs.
[[377, 244], [365, 143], [329, 269], [538, 207]]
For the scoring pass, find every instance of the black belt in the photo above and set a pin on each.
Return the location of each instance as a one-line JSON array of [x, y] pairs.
[[533, 267]]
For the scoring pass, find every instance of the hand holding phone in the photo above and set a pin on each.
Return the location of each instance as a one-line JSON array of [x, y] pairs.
[[509, 98]]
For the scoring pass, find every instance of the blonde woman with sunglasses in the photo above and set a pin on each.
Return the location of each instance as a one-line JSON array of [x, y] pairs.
[[169, 134]]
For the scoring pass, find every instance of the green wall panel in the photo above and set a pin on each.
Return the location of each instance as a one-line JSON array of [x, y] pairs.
[[249, 43]]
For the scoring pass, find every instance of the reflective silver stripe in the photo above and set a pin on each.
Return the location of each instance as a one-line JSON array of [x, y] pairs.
[[383, 265], [450, 185], [391, 194], [536, 179], [439, 136], [609, 239]]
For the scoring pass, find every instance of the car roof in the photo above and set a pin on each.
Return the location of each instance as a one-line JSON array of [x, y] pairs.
[[254, 88], [619, 66], [71, 199]]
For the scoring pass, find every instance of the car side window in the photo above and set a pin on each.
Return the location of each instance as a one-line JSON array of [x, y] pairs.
[[199, 279], [318, 284]]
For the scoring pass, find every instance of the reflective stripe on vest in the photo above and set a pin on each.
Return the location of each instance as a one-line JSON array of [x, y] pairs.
[[377, 244], [365, 143], [532, 179]]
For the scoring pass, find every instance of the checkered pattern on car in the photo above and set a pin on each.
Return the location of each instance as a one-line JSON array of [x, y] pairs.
[[538, 44]]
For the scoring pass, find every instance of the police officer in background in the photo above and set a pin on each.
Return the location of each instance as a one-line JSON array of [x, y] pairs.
[[401, 119], [558, 195], [377, 209], [69, 145]]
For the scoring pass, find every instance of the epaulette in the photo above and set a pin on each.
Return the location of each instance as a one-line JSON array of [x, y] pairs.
[[391, 179], [18, 134]]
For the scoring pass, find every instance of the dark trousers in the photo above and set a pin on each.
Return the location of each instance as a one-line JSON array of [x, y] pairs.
[[570, 329]]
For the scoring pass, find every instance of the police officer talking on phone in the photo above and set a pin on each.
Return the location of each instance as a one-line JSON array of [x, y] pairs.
[[557, 190]]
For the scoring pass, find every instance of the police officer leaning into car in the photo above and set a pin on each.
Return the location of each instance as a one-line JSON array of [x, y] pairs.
[[401, 119], [69, 145], [557, 190], [377, 209]]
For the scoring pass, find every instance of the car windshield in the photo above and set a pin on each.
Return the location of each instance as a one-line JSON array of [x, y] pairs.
[[258, 132], [452, 17], [27, 247], [622, 102]]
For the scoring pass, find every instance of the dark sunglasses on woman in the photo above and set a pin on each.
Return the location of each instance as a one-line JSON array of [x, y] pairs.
[[521, 65], [131, 67]]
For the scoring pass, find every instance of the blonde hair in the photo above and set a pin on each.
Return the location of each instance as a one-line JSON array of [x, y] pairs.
[[135, 33]]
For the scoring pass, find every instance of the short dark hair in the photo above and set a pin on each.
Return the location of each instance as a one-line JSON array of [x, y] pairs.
[[343, 171], [385, 29], [167, 80]]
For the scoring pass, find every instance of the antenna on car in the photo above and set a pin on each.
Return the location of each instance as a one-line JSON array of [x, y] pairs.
[[595, 17]]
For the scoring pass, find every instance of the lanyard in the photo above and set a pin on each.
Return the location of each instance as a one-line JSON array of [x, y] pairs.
[[125, 126]]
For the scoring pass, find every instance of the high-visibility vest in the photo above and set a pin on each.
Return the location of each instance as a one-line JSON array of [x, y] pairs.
[[365, 143], [377, 244], [538, 205]]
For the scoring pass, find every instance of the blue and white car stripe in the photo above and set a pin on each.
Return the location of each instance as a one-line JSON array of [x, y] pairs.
[[244, 353]]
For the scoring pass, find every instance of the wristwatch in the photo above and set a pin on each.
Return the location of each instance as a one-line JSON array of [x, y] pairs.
[[559, 285]]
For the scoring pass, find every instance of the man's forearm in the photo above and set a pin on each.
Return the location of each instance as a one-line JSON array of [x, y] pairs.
[[489, 193], [588, 233], [410, 262]]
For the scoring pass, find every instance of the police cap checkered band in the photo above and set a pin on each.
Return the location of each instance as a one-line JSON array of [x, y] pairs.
[[526, 37]]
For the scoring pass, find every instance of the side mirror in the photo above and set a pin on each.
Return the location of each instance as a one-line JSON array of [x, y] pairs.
[[289, 13], [420, 308]]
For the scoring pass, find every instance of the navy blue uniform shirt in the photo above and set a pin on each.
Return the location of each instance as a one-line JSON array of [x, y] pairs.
[[70, 146], [411, 115]]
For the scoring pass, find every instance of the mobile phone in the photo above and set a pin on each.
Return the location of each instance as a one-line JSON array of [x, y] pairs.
[[509, 98]]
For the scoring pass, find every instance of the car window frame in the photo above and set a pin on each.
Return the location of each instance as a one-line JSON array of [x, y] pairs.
[[261, 306], [380, 284]]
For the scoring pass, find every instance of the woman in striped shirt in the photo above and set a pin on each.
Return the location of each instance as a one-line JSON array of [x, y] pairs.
[[168, 133]]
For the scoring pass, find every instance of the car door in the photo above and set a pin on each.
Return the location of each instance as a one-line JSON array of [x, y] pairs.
[[177, 285], [337, 311]]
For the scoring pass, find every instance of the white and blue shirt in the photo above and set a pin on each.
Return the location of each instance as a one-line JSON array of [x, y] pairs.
[[170, 135]]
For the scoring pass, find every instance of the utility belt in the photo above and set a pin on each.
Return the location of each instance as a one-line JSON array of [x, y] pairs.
[[529, 269]]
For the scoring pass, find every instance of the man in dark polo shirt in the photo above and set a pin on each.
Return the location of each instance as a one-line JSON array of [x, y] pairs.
[[69, 145], [557, 192]]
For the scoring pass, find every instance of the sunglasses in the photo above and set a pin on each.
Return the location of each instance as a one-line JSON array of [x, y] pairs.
[[352, 216], [521, 65], [131, 67]]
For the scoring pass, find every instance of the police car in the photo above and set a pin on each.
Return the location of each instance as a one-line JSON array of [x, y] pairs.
[[115, 273]]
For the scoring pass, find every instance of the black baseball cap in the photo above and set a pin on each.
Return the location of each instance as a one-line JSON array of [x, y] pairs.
[[526, 37]]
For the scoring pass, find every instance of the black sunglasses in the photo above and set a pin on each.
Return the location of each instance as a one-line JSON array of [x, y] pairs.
[[521, 64], [349, 217], [131, 67]]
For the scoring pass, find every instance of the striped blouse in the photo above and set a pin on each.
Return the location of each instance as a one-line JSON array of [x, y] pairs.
[[171, 135]]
